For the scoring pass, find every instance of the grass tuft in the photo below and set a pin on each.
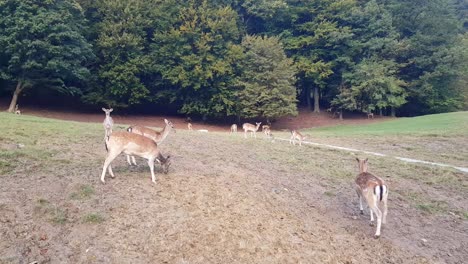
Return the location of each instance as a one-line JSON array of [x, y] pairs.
[[93, 218]]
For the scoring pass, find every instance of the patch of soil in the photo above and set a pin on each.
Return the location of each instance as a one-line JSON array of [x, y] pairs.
[[305, 119]]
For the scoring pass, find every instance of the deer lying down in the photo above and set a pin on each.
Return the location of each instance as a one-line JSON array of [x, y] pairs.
[[133, 144], [374, 190], [156, 136]]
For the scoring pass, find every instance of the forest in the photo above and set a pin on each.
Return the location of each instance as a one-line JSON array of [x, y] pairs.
[[237, 58]]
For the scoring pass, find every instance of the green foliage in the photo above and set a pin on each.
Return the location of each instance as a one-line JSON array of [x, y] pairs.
[[267, 81], [43, 45]]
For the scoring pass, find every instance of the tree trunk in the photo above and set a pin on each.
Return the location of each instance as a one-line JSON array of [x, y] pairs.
[[316, 100], [16, 93], [380, 112], [341, 114], [393, 111], [307, 95]]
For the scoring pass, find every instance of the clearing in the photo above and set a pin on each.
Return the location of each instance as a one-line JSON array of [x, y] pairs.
[[228, 199]]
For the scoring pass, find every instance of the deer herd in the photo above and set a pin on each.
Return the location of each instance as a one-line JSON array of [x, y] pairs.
[[144, 142]]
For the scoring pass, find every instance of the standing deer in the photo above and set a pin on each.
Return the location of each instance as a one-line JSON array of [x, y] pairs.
[[108, 122], [189, 126], [265, 129], [370, 115], [249, 127], [233, 128], [133, 144], [17, 111], [157, 137], [374, 190], [296, 135]]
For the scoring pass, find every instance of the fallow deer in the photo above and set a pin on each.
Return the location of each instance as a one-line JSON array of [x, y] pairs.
[[233, 128], [17, 111], [189, 126], [374, 190], [296, 135], [156, 136], [108, 122], [265, 129], [133, 144], [329, 110], [249, 127], [370, 115]]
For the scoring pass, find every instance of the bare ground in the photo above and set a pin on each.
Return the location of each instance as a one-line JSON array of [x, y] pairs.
[[225, 200]]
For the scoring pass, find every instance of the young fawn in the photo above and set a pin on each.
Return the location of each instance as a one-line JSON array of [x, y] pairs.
[[374, 190], [108, 122], [156, 136], [296, 135], [133, 144], [233, 128], [249, 127]]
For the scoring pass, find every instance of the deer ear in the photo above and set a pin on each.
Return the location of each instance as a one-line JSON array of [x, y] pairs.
[[165, 121], [112, 109], [103, 109], [366, 160], [358, 159]]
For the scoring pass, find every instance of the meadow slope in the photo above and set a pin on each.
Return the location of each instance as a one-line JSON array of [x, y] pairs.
[[226, 199]]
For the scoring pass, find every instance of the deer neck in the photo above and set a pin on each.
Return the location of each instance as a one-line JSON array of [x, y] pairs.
[[163, 134]]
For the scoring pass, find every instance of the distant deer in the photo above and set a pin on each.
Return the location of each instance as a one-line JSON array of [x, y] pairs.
[[249, 127], [329, 110], [156, 136], [233, 128], [296, 135], [189, 126], [108, 121], [17, 111], [374, 190], [370, 115], [133, 144], [265, 128]]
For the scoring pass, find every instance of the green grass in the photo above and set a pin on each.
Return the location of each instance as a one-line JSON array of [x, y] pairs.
[[84, 191], [93, 218], [430, 125]]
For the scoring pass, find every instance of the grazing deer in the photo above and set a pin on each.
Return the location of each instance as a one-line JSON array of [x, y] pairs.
[[249, 127], [189, 126], [156, 136], [17, 111], [133, 144], [374, 190], [296, 135], [108, 122], [370, 115], [233, 128]]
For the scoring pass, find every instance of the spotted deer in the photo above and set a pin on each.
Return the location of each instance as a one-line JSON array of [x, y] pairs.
[[156, 136], [17, 111], [296, 135], [249, 127], [135, 145], [189, 126], [374, 190], [108, 122], [233, 128]]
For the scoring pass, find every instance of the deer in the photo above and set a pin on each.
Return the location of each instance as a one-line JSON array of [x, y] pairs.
[[156, 136], [265, 129], [189, 126], [370, 115], [296, 135], [133, 144], [249, 127], [329, 110], [108, 122], [374, 190], [233, 128], [17, 111]]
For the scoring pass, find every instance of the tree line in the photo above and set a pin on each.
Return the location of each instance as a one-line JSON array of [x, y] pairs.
[[240, 58]]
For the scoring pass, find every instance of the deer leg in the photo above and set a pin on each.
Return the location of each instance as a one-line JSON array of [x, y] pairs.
[[378, 215], [110, 157], [133, 160], [245, 133], [128, 160], [384, 200], [151, 165]]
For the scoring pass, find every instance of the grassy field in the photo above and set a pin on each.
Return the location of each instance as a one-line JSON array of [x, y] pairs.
[[227, 199], [441, 138]]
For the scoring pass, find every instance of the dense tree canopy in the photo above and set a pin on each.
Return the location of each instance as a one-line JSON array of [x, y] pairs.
[[240, 58]]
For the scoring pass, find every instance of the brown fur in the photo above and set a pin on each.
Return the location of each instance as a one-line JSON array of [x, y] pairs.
[[296, 135], [133, 144], [249, 127]]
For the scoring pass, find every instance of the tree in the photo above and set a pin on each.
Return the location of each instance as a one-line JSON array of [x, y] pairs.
[[196, 59], [267, 81], [42, 43]]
